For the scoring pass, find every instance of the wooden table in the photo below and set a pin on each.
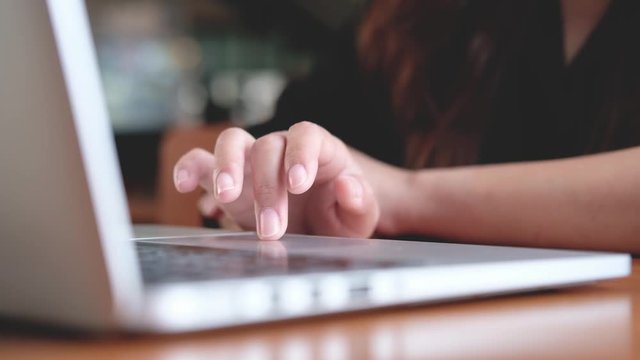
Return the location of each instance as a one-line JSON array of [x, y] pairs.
[[599, 321]]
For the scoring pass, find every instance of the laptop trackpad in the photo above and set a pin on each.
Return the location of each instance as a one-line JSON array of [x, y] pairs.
[[221, 257]]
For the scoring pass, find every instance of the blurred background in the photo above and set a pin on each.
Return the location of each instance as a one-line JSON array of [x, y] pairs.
[[176, 73]]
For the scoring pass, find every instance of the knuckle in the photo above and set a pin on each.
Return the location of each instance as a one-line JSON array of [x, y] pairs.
[[231, 133], [229, 144], [191, 156], [265, 193], [198, 153], [295, 154], [268, 142], [304, 126]]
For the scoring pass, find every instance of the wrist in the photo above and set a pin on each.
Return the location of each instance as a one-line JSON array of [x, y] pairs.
[[410, 204], [395, 198]]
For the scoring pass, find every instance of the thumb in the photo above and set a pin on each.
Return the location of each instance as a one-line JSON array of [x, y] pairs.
[[356, 206]]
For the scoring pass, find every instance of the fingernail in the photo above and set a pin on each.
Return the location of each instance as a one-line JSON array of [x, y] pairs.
[[297, 176], [224, 182], [182, 176], [269, 222], [356, 189]]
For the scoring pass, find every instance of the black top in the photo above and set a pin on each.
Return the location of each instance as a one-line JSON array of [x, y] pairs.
[[541, 108]]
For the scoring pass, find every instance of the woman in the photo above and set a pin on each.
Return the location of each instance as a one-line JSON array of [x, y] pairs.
[[501, 122]]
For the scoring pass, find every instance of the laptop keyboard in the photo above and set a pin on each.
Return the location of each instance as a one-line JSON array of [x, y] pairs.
[[163, 263]]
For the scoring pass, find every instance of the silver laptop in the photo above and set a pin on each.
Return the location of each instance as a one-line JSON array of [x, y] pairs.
[[67, 250]]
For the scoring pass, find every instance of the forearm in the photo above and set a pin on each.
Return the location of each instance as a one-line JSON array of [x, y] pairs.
[[590, 202]]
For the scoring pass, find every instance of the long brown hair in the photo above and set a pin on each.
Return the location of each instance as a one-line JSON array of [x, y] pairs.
[[439, 68], [445, 64]]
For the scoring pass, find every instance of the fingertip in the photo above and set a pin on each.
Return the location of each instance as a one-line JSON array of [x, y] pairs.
[[350, 193], [297, 179], [182, 180], [226, 187], [356, 189], [269, 224], [270, 237], [357, 206]]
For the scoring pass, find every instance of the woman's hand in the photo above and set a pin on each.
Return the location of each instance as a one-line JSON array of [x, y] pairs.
[[304, 180]]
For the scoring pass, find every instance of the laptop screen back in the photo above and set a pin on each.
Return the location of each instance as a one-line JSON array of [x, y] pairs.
[[63, 217]]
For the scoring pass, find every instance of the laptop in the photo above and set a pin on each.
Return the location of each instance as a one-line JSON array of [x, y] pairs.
[[69, 255]]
